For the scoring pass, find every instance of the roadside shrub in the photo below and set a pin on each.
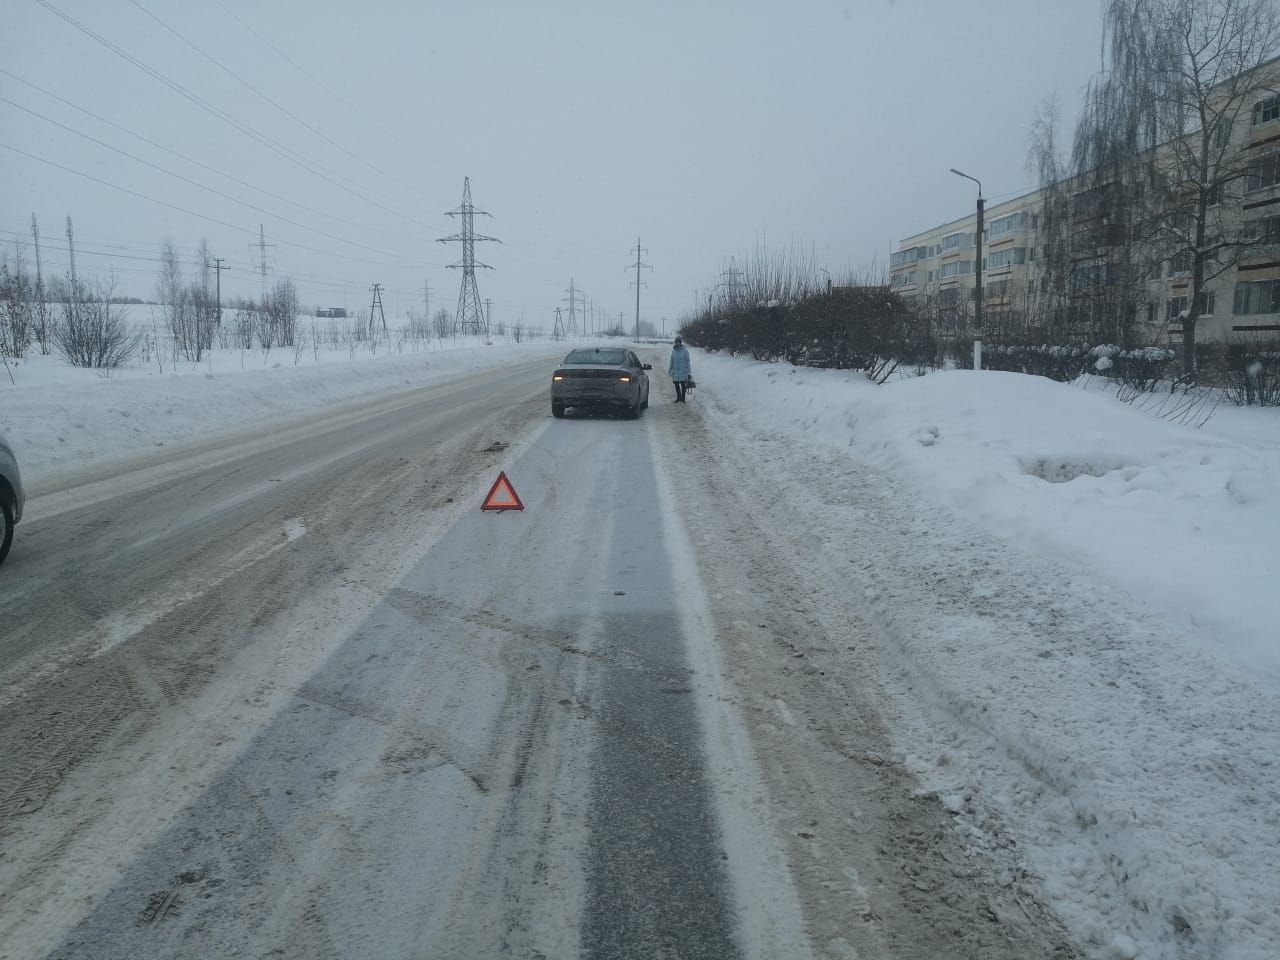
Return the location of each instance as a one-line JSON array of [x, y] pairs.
[[93, 332], [1250, 372]]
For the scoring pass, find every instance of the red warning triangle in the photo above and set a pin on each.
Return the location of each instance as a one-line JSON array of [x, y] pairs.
[[502, 495]]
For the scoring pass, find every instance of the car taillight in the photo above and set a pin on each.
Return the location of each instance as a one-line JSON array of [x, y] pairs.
[[557, 376]]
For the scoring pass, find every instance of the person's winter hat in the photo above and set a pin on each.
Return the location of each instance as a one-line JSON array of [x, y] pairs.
[[678, 341]]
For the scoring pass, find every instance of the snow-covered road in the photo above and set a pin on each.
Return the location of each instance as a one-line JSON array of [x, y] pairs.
[[716, 692], [288, 692]]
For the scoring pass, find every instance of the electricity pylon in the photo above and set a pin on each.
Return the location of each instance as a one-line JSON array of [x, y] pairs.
[[575, 297], [470, 317], [637, 283]]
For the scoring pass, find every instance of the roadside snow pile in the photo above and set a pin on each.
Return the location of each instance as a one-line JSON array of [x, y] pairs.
[[59, 417], [1186, 521], [1073, 611]]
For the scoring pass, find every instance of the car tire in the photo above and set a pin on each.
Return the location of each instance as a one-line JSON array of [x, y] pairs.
[[557, 409], [6, 525], [633, 411], [645, 405]]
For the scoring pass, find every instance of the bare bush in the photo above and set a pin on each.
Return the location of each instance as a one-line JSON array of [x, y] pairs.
[[442, 324], [17, 300], [190, 312], [93, 332], [1250, 372]]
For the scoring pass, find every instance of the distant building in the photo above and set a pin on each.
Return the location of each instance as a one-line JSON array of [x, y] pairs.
[[936, 267]]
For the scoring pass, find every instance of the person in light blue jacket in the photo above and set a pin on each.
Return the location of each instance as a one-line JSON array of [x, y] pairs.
[[680, 369]]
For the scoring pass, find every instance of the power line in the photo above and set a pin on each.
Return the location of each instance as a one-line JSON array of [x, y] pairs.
[[222, 115], [286, 111], [201, 216], [193, 160], [194, 183], [314, 79]]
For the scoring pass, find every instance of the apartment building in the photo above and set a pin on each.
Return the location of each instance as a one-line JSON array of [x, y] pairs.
[[937, 266]]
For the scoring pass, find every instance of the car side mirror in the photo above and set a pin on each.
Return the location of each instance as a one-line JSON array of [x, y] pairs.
[[646, 366]]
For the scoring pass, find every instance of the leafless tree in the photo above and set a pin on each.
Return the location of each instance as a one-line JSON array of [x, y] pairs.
[[92, 332], [1158, 166]]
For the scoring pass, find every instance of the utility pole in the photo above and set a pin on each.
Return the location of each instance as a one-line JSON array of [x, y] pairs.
[[557, 332], [637, 282], [262, 269], [488, 314], [218, 266], [71, 248], [575, 297], [426, 298], [35, 237], [470, 317], [977, 255], [376, 306]]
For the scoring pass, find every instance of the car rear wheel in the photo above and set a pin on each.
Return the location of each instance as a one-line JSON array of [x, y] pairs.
[[6, 525], [633, 411], [557, 409]]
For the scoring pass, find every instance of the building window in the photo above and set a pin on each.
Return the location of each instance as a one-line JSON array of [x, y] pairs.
[[956, 241], [1014, 221], [1035, 221], [910, 255], [957, 268], [1264, 111], [1180, 263], [1176, 306], [1265, 230], [1257, 296], [1262, 173], [903, 279], [1006, 257], [1089, 277]]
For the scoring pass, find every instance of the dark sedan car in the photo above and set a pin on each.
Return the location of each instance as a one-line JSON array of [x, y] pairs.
[[600, 378]]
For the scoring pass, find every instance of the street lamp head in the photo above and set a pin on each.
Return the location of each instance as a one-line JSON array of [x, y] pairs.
[[961, 173]]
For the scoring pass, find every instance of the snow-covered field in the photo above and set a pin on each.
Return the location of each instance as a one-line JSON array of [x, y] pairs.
[[60, 417], [1079, 625]]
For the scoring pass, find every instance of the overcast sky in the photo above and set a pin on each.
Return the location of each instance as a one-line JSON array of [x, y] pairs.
[[702, 128]]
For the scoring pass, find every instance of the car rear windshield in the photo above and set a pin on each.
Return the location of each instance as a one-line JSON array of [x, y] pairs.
[[611, 357]]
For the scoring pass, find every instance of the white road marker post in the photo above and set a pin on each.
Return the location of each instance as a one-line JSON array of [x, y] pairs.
[[977, 354]]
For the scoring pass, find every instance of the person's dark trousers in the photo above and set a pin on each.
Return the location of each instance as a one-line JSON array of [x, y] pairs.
[[680, 389]]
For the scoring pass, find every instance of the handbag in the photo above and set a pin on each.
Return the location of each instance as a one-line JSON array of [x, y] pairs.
[[689, 384]]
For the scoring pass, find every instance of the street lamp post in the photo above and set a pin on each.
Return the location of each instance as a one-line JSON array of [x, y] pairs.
[[828, 273], [977, 266]]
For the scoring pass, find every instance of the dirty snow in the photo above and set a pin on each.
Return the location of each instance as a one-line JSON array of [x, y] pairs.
[[1076, 611]]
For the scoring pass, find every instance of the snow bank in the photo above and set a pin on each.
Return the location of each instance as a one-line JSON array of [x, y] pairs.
[[1187, 521], [1075, 611], [60, 418]]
